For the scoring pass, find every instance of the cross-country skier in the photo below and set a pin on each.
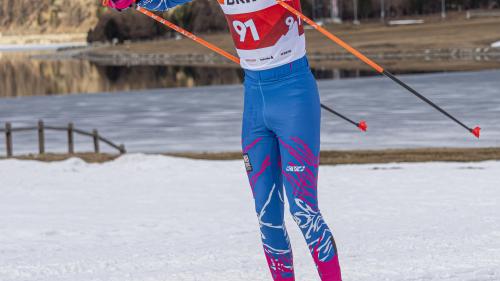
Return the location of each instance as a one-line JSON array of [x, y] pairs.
[[281, 127]]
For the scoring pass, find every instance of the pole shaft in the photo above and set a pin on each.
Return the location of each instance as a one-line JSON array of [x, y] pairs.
[[368, 61], [420, 96], [228, 55], [189, 35], [338, 114], [334, 38]]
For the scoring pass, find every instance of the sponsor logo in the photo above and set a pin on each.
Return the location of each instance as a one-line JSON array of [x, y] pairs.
[[235, 2], [296, 169], [286, 52], [248, 165], [267, 58]]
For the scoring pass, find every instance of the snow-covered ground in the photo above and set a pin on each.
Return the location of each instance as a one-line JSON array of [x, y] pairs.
[[152, 218], [496, 44]]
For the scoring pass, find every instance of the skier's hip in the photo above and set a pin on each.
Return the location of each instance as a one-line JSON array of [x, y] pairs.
[[296, 67]]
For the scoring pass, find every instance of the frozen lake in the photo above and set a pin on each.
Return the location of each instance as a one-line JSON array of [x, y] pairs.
[[208, 118]]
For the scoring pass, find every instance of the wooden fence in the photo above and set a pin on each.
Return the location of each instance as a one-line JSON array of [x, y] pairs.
[[70, 130]]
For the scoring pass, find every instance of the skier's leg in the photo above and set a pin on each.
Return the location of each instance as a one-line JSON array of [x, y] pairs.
[[262, 161], [295, 108], [300, 170]]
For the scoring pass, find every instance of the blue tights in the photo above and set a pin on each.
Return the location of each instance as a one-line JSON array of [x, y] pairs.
[[281, 142]]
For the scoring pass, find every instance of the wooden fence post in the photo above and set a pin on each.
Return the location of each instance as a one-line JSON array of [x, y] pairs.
[[71, 142], [8, 139], [41, 137], [95, 134]]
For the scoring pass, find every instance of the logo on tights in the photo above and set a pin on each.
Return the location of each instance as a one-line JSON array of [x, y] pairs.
[[248, 165], [297, 169]]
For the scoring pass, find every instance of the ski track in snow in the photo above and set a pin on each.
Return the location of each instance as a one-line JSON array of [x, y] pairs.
[[156, 218]]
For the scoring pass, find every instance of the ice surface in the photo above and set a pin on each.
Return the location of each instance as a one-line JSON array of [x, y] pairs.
[[209, 118], [38, 47], [155, 218]]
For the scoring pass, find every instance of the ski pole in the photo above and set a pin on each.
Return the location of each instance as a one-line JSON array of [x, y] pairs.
[[475, 131], [188, 34], [361, 124]]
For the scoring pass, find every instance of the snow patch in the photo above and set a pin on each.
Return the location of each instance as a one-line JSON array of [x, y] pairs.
[[495, 45], [145, 217]]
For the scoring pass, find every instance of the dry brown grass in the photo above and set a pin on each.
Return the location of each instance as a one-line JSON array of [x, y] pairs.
[[52, 157], [380, 156], [327, 157], [410, 155]]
